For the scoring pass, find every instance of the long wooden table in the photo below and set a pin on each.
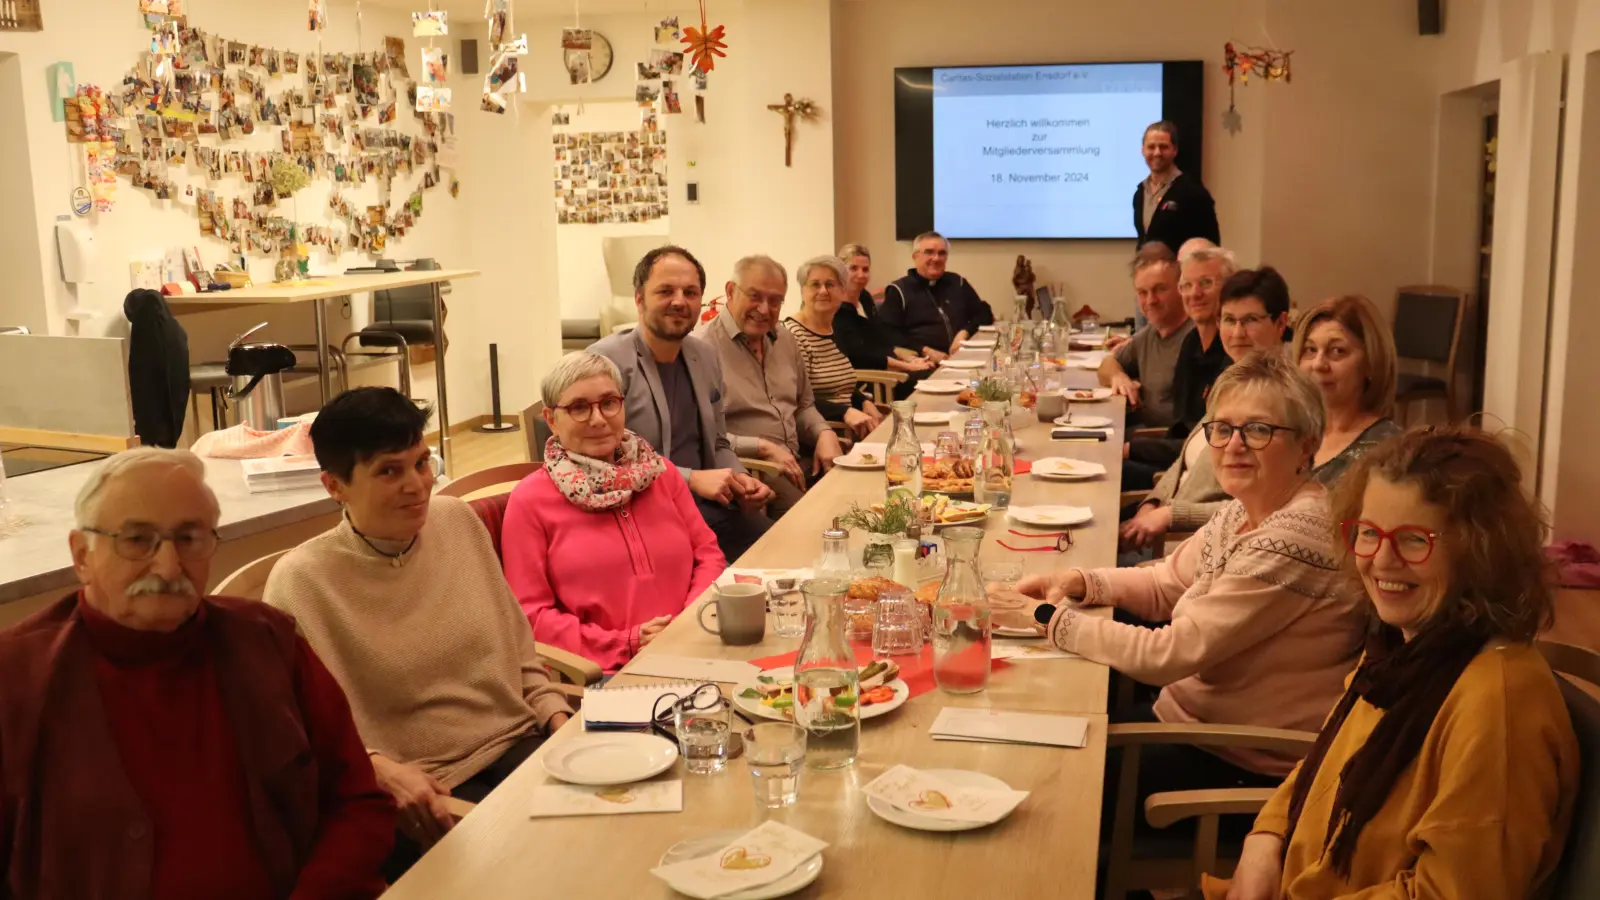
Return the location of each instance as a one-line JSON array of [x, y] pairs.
[[1049, 844]]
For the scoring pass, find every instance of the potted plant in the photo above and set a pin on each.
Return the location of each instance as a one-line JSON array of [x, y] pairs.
[[882, 525]]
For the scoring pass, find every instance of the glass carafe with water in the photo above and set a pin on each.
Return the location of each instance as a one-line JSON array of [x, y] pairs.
[[996, 459], [826, 683], [902, 466], [961, 628]]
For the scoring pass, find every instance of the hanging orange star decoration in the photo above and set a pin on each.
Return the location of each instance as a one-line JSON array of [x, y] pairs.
[[704, 43]]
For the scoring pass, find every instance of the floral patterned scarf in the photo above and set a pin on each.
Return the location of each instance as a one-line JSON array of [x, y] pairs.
[[599, 485]]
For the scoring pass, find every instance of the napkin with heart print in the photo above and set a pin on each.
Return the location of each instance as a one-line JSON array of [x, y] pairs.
[[918, 792], [760, 856], [550, 800]]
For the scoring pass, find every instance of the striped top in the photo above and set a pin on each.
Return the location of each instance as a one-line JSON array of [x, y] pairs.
[[833, 379]]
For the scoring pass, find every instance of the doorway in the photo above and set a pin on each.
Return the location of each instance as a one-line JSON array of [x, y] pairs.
[[1480, 331], [23, 302]]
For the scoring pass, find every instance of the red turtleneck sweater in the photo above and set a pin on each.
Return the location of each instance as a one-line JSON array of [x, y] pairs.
[[181, 756]]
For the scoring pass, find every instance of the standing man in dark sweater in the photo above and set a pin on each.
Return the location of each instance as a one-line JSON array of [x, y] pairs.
[[1171, 206], [931, 310]]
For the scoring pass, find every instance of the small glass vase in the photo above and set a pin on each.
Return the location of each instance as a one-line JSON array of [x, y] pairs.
[[961, 627]]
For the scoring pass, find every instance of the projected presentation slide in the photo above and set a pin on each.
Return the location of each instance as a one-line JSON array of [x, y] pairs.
[[1040, 151]]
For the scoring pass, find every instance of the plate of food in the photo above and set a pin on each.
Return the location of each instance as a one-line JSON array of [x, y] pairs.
[[1050, 516], [947, 476], [887, 811], [941, 386], [1087, 395], [1066, 469], [1079, 420], [941, 510], [771, 694], [761, 576], [694, 848], [863, 456]]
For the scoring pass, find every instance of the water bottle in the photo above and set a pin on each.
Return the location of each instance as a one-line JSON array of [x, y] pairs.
[[962, 636], [902, 467], [996, 460], [827, 693]]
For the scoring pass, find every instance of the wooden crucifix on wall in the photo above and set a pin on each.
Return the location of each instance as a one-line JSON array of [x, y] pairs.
[[789, 109]]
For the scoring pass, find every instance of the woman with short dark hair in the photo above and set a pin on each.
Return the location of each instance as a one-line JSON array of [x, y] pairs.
[[1449, 766]]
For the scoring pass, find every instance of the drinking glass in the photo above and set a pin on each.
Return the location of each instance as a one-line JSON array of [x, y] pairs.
[[787, 606], [898, 628], [1002, 572], [947, 447], [776, 752], [704, 732]]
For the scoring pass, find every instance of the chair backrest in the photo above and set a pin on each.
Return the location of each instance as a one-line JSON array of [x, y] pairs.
[[249, 581], [1427, 322], [1578, 874], [406, 304], [621, 254], [509, 475], [536, 430], [492, 511]]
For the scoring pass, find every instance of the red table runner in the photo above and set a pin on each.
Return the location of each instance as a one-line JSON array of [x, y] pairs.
[[915, 671]]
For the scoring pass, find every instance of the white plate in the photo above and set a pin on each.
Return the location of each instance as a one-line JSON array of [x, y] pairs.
[[767, 576], [937, 386], [965, 363], [1006, 631], [1067, 469], [957, 777], [979, 344], [1089, 364], [1088, 339], [1071, 394], [1050, 516], [988, 329], [853, 460], [902, 693], [1078, 420], [610, 757], [694, 848], [933, 418]]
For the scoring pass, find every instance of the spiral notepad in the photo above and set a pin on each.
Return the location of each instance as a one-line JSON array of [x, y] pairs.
[[614, 708]]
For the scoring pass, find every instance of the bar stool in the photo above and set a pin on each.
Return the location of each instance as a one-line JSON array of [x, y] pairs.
[[369, 337], [212, 378]]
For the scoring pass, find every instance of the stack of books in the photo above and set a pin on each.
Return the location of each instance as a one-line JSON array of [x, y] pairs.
[[281, 473]]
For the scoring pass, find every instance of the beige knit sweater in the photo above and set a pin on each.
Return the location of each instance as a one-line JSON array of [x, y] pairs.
[[435, 655]]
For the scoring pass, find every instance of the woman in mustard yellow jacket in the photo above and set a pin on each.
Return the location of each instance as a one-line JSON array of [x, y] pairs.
[[1448, 768]]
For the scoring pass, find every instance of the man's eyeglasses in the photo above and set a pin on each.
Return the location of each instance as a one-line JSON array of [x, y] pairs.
[[1411, 543], [1256, 435], [583, 410], [760, 298], [1249, 321], [138, 543], [1062, 544]]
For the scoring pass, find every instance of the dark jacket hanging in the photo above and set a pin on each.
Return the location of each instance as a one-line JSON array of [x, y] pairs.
[[158, 369]]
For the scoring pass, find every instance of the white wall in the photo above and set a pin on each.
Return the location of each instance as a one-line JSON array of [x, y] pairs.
[[22, 300]]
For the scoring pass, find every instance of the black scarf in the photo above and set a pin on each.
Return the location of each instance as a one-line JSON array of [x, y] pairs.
[[1409, 681]]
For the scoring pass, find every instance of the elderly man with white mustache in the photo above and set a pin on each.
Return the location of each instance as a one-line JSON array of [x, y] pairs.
[[155, 742]]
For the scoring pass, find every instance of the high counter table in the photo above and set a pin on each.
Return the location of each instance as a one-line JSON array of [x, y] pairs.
[[317, 291]]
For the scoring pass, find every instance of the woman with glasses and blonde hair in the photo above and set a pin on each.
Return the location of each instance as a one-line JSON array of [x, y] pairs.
[[604, 545], [1345, 348], [1256, 623], [1449, 767]]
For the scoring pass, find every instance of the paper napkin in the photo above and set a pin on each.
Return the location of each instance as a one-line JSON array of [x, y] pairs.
[[918, 792], [1032, 649], [995, 726], [759, 856], [692, 668], [550, 800]]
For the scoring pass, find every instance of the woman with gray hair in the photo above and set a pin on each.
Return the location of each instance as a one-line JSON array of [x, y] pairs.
[[604, 545], [1258, 625], [832, 377]]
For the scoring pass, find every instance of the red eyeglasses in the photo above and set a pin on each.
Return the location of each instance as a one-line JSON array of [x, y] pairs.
[[1411, 543], [1063, 541]]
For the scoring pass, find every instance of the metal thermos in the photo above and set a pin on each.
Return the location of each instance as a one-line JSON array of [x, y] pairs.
[[257, 371]]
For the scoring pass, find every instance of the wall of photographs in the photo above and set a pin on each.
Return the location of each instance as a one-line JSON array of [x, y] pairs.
[[611, 177]]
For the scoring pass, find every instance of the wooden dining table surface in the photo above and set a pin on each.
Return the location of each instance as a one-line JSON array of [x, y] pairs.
[[1046, 847]]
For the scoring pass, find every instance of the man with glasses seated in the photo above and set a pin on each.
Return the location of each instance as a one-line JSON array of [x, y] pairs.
[[406, 600], [768, 405], [156, 742], [930, 309]]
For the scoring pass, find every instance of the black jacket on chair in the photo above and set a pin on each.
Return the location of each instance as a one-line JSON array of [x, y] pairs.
[[1185, 211], [158, 369]]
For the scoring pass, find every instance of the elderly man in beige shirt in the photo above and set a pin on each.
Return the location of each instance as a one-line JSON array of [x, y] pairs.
[[768, 401]]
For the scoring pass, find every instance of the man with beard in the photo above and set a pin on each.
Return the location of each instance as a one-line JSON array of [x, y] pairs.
[[674, 389]]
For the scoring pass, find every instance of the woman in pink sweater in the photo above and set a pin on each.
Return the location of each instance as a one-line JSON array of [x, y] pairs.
[[1257, 624], [601, 551]]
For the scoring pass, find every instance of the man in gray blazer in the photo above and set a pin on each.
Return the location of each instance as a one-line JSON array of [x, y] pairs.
[[673, 386]]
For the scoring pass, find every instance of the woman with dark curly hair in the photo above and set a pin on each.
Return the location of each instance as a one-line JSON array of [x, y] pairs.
[[1449, 767]]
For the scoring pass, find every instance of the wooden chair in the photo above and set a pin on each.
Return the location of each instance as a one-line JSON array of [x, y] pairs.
[[880, 384], [536, 431], [1427, 328], [509, 474], [1577, 876], [249, 581], [1126, 873]]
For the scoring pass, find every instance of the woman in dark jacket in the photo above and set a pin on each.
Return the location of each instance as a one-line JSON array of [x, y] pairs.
[[857, 331]]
